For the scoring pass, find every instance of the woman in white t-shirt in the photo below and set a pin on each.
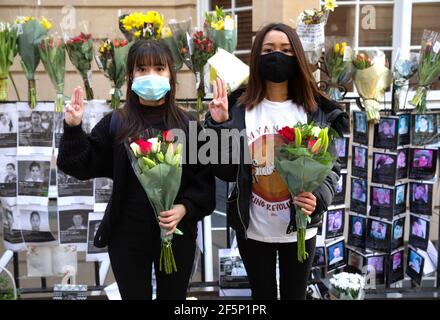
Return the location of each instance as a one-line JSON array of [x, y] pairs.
[[281, 92]]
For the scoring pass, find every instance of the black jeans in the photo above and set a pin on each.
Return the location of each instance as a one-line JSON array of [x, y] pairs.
[[259, 258], [134, 246]]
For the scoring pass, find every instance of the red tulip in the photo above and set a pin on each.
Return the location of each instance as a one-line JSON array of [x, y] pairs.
[[168, 136]]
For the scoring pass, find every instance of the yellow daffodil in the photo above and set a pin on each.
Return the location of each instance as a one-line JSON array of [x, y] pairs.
[[137, 33], [336, 48], [330, 5], [343, 46], [166, 32], [46, 23]]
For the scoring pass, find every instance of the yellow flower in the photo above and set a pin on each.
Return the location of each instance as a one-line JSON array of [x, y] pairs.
[[330, 5], [343, 46], [46, 23], [137, 34], [220, 25], [166, 32], [337, 48]]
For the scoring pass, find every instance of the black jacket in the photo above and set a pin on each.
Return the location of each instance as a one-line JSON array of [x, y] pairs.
[[328, 114], [96, 155]]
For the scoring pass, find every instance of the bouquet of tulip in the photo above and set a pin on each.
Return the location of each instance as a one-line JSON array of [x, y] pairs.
[[28, 41], [203, 50], [156, 162], [53, 56], [80, 50], [112, 60], [310, 29], [404, 69], [8, 51], [371, 79], [168, 39], [348, 286], [429, 68], [143, 25], [181, 33], [339, 67], [222, 29], [303, 163]]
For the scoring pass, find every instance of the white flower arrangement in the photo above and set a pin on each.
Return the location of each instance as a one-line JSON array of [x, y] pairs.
[[348, 285]]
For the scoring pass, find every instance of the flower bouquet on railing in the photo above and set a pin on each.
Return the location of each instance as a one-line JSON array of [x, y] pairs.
[[404, 69], [80, 50], [157, 164], [181, 31], [8, 51], [303, 163], [168, 39], [32, 31], [310, 28], [112, 60], [371, 79], [222, 29], [339, 67], [347, 286], [53, 56], [141, 25], [429, 68], [203, 50]]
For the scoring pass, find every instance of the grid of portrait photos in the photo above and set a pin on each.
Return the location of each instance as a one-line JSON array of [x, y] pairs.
[[29, 141], [330, 245]]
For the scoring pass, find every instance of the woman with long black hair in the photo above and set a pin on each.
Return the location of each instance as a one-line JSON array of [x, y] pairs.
[[281, 92], [129, 226]]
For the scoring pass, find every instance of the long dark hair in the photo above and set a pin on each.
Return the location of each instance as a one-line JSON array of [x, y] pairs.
[[150, 53], [303, 89]]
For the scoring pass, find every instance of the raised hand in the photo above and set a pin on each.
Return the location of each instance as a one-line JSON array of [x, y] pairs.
[[75, 109], [218, 107]]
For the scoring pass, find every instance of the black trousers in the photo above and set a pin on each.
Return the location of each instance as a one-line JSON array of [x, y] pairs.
[[259, 259], [134, 246]]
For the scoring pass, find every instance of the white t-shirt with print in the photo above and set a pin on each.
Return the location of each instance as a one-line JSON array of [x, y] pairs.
[[270, 199]]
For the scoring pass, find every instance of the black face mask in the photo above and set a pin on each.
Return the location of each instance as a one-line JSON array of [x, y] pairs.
[[278, 67]]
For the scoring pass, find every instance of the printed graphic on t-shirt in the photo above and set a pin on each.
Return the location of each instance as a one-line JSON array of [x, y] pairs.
[[270, 195]]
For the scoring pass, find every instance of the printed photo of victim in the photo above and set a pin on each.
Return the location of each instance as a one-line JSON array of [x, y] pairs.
[[69, 186], [400, 199], [378, 235], [404, 132], [384, 168], [341, 189], [360, 134], [33, 178], [381, 201], [359, 166], [421, 198], [415, 265], [423, 164], [335, 223], [376, 266], [8, 177], [341, 145], [385, 133], [419, 232], [35, 128], [402, 163], [356, 231], [396, 267], [335, 254], [355, 261], [358, 201], [8, 127], [397, 240], [424, 129], [319, 261]]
